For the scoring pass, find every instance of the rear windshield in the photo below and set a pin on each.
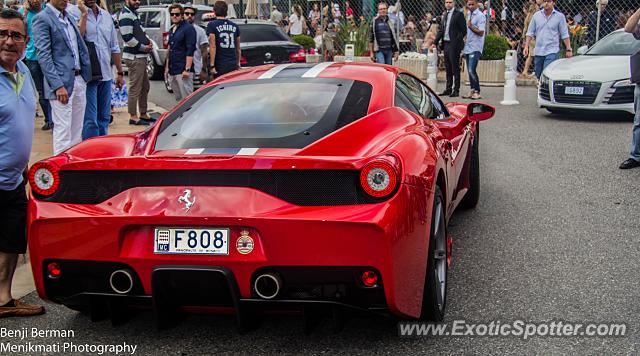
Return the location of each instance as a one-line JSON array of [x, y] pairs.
[[264, 113], [261, 33]]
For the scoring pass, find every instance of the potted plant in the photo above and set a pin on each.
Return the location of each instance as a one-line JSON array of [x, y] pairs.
[[491, 65], [357, 35]]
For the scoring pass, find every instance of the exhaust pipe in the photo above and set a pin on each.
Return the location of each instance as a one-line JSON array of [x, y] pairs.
[[267, 285], [121, 281]]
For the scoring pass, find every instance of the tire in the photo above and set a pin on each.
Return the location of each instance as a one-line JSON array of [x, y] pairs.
[[154, 71], [472, 196], [434, 298]]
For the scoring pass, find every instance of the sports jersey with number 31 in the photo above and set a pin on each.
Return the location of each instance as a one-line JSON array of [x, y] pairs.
[[226, 33]]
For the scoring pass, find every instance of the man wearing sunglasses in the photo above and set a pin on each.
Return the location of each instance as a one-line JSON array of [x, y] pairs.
[[182, 45], [202, 42], [17, 111]]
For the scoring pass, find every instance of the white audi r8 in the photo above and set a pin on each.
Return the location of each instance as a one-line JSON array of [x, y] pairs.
[[597, 80]]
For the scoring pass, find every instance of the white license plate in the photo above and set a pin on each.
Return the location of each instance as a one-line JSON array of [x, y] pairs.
[[191, 241], [574, 90]]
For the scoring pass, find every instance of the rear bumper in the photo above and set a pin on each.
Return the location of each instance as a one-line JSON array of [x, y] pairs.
[[389, 237]]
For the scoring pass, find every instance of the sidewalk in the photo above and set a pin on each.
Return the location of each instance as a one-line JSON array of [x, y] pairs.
[[42, 148]]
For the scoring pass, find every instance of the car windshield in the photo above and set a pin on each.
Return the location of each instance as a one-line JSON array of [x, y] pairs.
[[261, 33], [264, 113], [616, 44]]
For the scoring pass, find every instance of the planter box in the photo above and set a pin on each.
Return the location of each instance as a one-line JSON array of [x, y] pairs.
[[416, 66], [491, 72], [355, 59]]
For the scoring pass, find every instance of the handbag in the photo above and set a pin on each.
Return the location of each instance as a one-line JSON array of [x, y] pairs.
[[96, 71], [635, 68]]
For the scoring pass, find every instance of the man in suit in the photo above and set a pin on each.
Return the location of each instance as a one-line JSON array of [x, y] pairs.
[[451, 38], [64, 59]]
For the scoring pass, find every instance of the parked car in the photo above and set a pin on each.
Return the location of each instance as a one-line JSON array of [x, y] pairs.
[[291, 186], [596, 80]]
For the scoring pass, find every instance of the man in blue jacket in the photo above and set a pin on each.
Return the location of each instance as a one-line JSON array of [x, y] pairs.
[[64, 60], [182, 45]]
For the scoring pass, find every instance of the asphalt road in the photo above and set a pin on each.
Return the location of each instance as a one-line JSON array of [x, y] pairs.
[[556, 236]]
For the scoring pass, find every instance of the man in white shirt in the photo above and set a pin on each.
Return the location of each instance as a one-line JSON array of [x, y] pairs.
[[202, 42]]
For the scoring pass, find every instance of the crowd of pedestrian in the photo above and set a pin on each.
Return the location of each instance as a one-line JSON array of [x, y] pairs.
[[66, 58]]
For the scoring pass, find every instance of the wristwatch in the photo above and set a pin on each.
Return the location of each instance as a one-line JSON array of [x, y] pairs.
[[121, 73]]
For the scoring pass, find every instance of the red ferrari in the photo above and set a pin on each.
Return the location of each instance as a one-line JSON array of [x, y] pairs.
[[277, 187]]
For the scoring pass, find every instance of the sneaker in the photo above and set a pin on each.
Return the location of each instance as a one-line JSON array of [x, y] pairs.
[[475, 96], [47, 126], [21, 308], [468, 96]]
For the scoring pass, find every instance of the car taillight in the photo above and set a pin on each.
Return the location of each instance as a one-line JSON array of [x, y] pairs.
[[165, 40], [380, 177], [299, 56], [44, 176], [243, 60]]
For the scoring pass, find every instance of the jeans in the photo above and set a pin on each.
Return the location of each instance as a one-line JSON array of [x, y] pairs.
[[38, 79], [98, 110], [224, 68], [384, 56], [472, 64], [635, 133], [541, 62]]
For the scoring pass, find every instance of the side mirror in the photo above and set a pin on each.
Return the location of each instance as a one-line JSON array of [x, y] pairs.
[[480, 112], [582, 50]]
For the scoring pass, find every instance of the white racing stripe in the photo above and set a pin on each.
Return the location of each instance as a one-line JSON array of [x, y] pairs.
[[316, 70], [247, 152], [194, 151], [273, 71]]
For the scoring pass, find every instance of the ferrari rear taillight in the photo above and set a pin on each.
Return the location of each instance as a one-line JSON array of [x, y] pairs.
[[44, 176], [243, 61], [299, 56], [379, 177]]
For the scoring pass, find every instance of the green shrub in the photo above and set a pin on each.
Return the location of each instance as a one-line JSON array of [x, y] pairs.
[[350, 33], [304, 41], [495, 47]]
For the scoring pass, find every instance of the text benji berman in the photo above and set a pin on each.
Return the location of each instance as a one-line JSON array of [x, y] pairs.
[[35, 333]]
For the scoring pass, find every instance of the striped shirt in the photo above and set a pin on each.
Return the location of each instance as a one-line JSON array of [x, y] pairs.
[[133, 35]]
